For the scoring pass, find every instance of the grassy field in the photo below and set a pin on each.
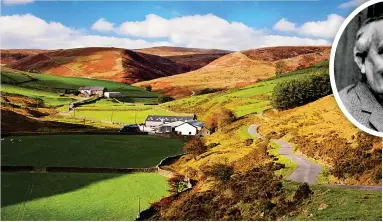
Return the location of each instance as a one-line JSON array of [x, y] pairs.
[[339, 204], [58, 84], [130, 151], [71, 196], [253, 98], [290, 166], [48, 98], [123, 114]]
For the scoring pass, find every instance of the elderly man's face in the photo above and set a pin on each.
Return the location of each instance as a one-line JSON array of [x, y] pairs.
[[374, 60]]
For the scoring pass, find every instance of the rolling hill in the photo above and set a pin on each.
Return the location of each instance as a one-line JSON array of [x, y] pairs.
[[9, 56], [238, 69], [190, 57], [115, 64]]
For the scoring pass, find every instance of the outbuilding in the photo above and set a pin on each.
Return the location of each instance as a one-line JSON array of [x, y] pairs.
[[186, 129], [112, 94], [92, 90]]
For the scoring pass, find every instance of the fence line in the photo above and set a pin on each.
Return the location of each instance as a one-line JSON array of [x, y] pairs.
[[71, 133]]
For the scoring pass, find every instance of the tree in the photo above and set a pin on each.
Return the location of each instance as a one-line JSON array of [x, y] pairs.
[[195, 146], [177, 184], [148, 88], [226, 117], [211, 123], [220, 171], [280, 67], [164, 99], [220, 119]]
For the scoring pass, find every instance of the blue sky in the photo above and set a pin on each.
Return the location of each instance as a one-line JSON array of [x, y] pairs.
[[257, 21]]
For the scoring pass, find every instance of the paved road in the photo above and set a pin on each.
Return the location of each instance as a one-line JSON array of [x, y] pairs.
[[253, 131], [307, 171]]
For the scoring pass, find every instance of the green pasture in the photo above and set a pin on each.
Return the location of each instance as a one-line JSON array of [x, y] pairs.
[[115, 103], [134, 114], [78, 196], [48, 98], [119, 151], [52, 83], [338, 204]]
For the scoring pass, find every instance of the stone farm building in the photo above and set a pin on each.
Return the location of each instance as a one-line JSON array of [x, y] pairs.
[[93, 90], [181, 125], [154, 120]]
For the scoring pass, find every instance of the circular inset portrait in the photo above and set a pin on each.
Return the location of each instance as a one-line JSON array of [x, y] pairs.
[[356, 67]]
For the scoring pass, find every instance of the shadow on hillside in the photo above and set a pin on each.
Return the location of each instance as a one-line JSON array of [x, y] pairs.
[[23, 187]]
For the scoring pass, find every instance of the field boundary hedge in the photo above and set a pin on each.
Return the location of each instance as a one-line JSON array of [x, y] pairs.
[[99, 170], [17, 168], [109, 109], [71, 133]]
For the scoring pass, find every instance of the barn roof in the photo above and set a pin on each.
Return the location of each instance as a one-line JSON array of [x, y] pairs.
[[98, 88], [155, 118], [196, 123]]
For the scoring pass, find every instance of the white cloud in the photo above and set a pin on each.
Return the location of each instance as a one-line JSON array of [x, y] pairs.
[[17, 2], [326, 29], [323, 29], [28, 31], [103, 25], [199, 31], [207, 31], [352, 4], [285, 25]]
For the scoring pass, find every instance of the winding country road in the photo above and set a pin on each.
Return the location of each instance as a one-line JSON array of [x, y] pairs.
[[307, 171], [253, 131]]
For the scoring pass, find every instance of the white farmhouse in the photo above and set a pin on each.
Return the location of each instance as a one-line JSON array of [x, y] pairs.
[[186, 129]]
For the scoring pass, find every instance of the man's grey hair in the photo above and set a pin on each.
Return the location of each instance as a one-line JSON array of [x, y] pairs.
[[362, 45], [364, 39]]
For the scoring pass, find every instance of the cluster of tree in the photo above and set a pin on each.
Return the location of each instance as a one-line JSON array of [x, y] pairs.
[[220, 171], [219, 119], [34, 71], [300, 91], [177, 184], [207, 91], [164, 99]]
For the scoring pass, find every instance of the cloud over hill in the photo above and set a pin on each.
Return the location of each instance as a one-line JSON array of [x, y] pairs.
[[196, 31]]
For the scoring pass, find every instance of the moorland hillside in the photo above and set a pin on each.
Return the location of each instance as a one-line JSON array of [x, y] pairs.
[[114, 64], [120, 65], [239, 69]]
